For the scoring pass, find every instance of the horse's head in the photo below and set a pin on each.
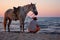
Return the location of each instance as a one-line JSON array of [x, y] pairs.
[[33, 9]]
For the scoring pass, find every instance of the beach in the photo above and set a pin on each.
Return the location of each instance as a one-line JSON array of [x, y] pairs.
[[28, 36], [15, 33]]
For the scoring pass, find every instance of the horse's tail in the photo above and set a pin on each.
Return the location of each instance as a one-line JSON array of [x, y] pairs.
[[5, 21]]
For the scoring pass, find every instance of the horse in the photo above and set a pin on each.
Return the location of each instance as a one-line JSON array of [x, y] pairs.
[[18, 13]]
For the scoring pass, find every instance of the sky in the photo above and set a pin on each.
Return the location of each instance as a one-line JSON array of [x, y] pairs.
[[46, 8]]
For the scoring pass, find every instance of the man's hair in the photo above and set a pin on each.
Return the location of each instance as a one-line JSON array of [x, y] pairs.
[[35, 18]]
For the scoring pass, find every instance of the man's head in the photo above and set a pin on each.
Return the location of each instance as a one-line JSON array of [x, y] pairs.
[[34, 18]]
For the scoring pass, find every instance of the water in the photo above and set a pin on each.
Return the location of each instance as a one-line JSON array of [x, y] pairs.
[[44, 23]]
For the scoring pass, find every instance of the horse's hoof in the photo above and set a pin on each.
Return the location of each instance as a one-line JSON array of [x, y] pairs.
[[8, 31], [4, 31], [21, 31]]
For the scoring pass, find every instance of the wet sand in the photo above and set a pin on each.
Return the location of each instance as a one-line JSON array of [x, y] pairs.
[[28, 36]]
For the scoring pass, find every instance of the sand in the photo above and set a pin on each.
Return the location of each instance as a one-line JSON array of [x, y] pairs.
[[28, 36]]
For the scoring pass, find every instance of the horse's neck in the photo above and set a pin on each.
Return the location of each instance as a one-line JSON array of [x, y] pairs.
[[26, 9]]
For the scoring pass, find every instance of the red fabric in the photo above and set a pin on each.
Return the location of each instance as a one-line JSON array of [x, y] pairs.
[[37, 29]]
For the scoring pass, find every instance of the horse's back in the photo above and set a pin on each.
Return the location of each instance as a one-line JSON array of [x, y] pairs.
[[9, 11], [9, 14]]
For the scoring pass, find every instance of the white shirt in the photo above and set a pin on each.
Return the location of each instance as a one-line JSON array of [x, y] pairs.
[[32, 25]]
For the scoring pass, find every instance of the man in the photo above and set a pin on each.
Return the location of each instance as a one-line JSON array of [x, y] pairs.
[[33, 26]]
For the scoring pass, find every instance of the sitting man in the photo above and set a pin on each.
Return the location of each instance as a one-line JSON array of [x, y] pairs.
[[33, 26]]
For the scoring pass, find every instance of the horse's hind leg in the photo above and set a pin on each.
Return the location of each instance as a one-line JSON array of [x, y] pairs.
[[9, 25], [5, 22]]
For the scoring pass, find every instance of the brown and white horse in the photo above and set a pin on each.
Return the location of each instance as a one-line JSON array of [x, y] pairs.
[[18, 13]]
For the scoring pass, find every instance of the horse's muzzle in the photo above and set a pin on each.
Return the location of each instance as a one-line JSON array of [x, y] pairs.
[[36, 13]]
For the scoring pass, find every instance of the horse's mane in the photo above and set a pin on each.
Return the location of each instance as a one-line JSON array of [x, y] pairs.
[[28, 5]]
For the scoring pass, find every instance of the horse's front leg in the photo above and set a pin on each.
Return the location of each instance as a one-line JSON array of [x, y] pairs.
[[22, 27]]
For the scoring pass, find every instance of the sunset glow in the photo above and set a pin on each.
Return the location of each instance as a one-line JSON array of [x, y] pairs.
[[46, 8]]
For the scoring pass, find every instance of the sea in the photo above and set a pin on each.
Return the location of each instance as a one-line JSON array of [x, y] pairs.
[[47, 24]]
